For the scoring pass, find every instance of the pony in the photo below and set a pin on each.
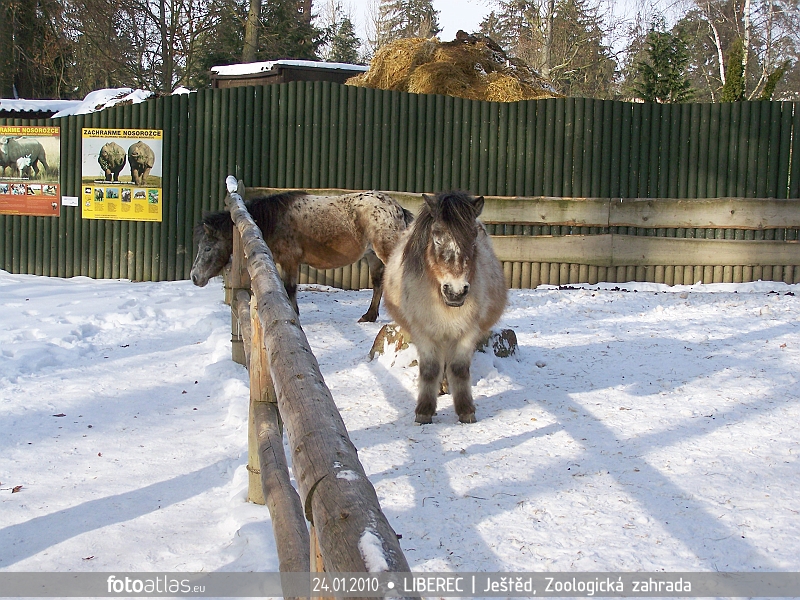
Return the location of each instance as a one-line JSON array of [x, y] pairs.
[[445, 288], [325, 232]]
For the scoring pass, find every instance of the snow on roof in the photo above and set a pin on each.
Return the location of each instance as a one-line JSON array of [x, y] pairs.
[[100, 99], [261, 67], [20, 105]]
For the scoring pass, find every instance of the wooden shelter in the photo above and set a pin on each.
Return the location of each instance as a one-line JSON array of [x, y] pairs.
[[282, 71]]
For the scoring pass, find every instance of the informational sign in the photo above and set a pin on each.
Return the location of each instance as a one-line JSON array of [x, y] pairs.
[[121, 174], [30, 160]]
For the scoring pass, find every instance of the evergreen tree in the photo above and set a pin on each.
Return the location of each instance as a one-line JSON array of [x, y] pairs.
[[733, 90], [662, 74], [773, 79], [36, 51], [287, 33], [566, 44], [580, 64], [344, 45], [400, 19]]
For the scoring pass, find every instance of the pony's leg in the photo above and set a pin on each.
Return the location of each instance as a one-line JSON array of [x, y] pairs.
[[460, 382], [376, 274], [431, 368], [291, 275]]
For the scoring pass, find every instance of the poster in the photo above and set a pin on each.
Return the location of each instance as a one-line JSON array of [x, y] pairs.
[[121, 174], [30, 160]]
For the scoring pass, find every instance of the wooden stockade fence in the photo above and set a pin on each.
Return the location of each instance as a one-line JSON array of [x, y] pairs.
[[321, 134], [286, 387], [560, 241]]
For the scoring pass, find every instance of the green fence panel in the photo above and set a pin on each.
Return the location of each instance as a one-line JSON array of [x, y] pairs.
[[325, 135]]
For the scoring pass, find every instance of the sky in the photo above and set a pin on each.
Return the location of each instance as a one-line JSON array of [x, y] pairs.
[[639, 428]]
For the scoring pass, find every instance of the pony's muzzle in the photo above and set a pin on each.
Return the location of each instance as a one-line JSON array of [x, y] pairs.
[[454, 296], [199, 282]]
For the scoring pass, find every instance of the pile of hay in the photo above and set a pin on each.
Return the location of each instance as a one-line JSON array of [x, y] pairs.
[[471, 66]]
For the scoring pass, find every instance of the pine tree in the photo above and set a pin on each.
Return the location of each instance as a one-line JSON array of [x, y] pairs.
[[662, 74], [562, 40], [733, 90], [36, 51], [773, 79], [344, 44], [6, 50], [400, 19], [287, 33]]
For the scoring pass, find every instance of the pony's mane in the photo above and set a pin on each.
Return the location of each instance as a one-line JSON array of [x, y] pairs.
[[455, 210], [263, 209], [218, 221], [266, 209]]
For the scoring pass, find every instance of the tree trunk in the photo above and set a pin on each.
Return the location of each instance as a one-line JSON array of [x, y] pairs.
[[746, 50], [251, 32], [6, 50], [25, 41], [166, 47], [547, 47], [718, 46]]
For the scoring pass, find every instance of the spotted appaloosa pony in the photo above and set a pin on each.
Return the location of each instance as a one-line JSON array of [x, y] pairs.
[[325, 232], [445, 287]]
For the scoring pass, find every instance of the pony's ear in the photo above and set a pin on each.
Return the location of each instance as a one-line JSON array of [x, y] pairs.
[[431, 202], [208, 229], [478, 205]]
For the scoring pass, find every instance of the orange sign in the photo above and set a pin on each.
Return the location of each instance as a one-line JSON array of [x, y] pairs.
[[30, 160]]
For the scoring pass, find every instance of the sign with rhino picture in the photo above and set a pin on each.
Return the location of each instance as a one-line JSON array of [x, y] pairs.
[[30, 161], [121, 174]]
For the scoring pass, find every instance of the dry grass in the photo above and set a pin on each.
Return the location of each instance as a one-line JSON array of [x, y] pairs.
[[468, 67]]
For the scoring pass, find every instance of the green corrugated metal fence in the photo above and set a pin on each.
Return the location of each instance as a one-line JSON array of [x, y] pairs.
[[324, 135]]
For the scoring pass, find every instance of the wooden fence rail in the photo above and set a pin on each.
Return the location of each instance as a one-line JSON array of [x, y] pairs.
[[335, 495], [589, 240]]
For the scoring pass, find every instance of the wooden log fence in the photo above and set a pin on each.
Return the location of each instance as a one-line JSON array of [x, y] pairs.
[[286, 388], [559, 241]]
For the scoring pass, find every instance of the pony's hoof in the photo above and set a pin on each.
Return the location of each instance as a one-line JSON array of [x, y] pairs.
[[368, 318], [423, 419], [468, 418]]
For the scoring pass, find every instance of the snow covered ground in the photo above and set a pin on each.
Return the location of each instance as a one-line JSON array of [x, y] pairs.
[[642, 428]]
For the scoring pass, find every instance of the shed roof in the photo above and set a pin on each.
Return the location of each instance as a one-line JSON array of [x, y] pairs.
[[274, 65]]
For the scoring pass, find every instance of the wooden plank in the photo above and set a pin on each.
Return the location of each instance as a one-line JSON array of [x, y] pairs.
[[638, 250], [723, 213], [744, 213], [612, 250], [579, 249]]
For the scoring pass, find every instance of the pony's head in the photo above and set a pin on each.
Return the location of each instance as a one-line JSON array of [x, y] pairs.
[[213, 236], [443, 243]]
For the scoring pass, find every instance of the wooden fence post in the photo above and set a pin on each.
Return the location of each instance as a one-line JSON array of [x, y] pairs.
[[261, 391], [239, 279]]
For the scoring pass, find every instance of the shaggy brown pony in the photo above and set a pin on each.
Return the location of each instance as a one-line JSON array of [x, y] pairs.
[[445, 288], [325, 232]]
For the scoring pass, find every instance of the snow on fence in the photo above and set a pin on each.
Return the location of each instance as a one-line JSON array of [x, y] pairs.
[[558, 241], [286, 387]]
